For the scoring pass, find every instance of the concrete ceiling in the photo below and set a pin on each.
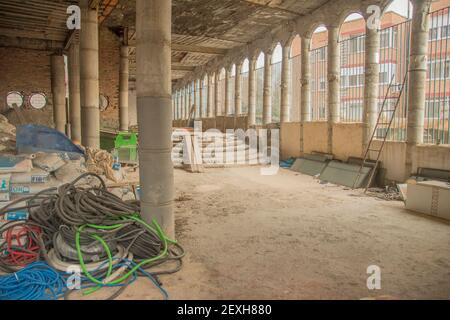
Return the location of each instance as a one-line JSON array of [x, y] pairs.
[[202, 29]]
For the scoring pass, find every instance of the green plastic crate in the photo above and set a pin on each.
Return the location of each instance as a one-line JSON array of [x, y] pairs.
[[125, 147]]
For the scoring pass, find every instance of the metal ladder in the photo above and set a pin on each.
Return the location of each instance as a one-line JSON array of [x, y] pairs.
[[380, 122]]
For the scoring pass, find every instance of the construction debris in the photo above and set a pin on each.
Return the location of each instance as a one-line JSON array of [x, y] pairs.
[[7, 136], [85, 226], [101, 162], [388, 193]]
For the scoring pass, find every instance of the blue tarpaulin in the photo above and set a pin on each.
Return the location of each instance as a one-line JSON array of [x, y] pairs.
[[33, 138]]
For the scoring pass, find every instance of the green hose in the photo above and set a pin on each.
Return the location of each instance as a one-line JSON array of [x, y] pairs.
[[165, 240]]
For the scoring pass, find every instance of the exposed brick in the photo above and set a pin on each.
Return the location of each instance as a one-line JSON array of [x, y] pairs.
[[26, 71], [109, 46]]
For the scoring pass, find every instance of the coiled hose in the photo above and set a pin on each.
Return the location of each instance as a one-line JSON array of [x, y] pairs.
[[85, 225]]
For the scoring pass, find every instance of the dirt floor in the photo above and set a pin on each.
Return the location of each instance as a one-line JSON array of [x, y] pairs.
[[249, 236]]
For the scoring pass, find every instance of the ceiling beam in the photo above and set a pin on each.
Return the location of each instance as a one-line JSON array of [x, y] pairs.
[[198, 49], [31, 44], [266, 5], [191, 48], [182, 68], [35, 34]]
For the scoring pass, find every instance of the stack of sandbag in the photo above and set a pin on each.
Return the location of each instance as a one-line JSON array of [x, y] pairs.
[[7, 136], [19, 177]]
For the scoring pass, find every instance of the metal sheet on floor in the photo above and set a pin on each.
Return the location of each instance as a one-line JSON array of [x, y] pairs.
[[309, 166], [345, 174]]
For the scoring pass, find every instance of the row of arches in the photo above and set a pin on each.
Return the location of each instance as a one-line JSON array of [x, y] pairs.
[[393, 34]]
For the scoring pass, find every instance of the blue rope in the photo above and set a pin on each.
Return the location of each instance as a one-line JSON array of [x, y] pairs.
[[37, 281]]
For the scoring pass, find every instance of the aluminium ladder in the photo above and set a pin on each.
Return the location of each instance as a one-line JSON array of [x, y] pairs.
[[381, 121]]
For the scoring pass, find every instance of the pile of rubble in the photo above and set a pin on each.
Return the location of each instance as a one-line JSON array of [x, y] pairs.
[[28, 174]]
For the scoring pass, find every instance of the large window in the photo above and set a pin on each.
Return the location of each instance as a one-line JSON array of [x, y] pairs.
[[388, 38], [357, 44], [438, 69]]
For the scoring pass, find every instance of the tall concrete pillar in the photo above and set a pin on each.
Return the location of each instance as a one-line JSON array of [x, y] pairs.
[[154, 86], [123, 88], [73, 60], [334, 74], [196, 102], [58, 92], [89, 75], [209, 107], [238, 90], [200, 102], [191, 100], [186, 102], [372, 61], [417, 80], [305, 112], [252, 92], [285, 84], [216, 94], [172, 100], [227, 91], [175, 105], [180, 104], [267, 93], [306, 80]]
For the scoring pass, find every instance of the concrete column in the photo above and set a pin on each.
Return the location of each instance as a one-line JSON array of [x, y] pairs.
[[252, 92], [285, 84], [267, 94], [89, 75], [209, 107], [227, 91], [237, 90], [175, 105], [186, 102], [196, 102], [216, 93], [306, 80], [74, 92], [191, 99], [58, 92], [182, 99], [417, 80], [180, 104], [172, 100], [305, 103], [123, 88], [200, 102], [154, 86], [371, 83], [334, 73]]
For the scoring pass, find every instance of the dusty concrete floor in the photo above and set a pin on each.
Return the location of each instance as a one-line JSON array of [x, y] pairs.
[[288, 237]]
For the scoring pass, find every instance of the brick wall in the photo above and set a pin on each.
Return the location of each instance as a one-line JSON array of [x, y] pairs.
[[26, 71], [109, 46]]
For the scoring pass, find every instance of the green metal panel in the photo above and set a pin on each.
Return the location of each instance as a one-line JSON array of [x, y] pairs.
[[312, 167], [345, 174]]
